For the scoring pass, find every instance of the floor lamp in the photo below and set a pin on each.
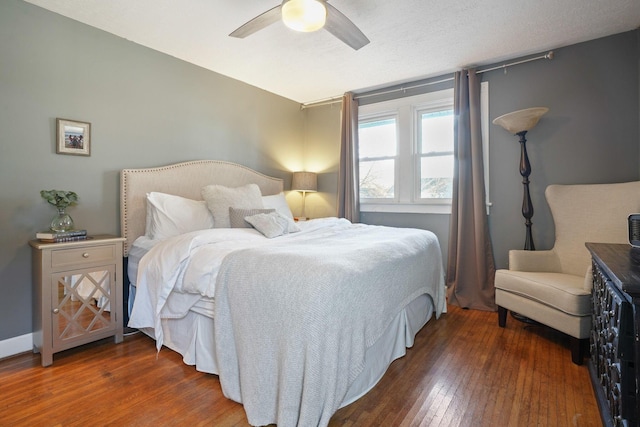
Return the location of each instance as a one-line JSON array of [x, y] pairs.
[[306, 182], [518, 123]]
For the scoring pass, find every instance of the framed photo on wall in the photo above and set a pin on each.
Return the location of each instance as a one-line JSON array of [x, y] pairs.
[[73, 137]]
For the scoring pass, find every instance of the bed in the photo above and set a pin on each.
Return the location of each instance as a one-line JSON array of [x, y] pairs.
[[295, 324]]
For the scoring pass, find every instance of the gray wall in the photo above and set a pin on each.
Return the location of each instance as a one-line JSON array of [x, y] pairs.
[[322, 155], [146, 109], [590, 135]]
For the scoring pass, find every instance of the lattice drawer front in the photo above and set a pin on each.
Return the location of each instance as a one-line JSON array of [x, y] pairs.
[[612, 346]]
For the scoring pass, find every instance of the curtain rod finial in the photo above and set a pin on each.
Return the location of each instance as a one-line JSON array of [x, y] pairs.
[[549, 55]]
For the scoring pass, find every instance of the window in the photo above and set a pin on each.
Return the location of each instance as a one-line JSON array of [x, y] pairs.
[[406, 153]]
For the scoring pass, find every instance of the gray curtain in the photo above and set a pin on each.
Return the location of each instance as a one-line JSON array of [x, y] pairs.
[[348, 180], [470, 264]]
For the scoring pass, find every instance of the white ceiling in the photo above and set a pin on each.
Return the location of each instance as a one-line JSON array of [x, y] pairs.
[[410, 39]]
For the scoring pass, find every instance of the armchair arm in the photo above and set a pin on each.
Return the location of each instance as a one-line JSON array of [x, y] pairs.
[[543, 261]]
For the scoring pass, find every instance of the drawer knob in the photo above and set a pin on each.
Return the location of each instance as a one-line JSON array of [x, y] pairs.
[[85, 255], [56, 310]]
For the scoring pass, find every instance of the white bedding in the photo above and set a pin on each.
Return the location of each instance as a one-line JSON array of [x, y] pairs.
[[186, 266], [138, 249], [270, 384]]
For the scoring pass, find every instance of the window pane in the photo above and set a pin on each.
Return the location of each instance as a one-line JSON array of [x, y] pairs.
[[377, 179], [436, 177], [436, 146], [378, 138], [436, 132]]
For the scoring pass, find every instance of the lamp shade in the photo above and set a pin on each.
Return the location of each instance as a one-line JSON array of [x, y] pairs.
[[304, 15], [521, 120], [304, 181]]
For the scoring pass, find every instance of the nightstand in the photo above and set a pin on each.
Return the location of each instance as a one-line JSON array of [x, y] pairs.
[[77, 293]]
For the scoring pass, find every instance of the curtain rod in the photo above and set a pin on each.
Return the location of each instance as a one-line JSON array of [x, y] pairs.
[[548, 55], [336, 99], [326, 101]]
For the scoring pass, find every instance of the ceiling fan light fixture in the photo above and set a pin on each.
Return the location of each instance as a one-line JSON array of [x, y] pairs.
[[304, 15]]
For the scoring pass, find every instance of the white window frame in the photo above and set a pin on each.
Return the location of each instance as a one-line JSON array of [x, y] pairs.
[[407, 195]]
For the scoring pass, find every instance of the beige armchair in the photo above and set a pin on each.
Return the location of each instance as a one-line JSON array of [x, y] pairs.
[[553, 287]]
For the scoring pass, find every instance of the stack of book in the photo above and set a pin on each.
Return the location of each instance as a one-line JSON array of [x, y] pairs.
[[61, 236]]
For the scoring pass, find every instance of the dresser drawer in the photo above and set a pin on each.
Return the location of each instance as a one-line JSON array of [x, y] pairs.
[[79, 256]]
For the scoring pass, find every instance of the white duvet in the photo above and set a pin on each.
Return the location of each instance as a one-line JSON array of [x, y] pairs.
[[178, 271], [294, 315]]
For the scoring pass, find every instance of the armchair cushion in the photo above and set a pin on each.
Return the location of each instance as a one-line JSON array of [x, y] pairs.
[[564, 292]]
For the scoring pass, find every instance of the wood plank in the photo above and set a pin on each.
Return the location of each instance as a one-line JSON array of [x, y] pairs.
[[462, 370]]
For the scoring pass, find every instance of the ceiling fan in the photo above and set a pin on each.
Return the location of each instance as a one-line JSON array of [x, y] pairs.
[[306, 16]]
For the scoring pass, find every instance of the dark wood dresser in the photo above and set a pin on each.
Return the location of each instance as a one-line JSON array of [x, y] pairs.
[[614, 365]]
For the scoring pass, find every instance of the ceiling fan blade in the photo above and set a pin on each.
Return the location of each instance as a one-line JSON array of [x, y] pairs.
[[258, 23], [342, 27]]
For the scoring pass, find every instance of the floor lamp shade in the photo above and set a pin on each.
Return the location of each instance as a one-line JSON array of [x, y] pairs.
[[521, 120]]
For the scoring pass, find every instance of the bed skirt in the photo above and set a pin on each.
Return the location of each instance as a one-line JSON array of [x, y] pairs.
[[193, 337]]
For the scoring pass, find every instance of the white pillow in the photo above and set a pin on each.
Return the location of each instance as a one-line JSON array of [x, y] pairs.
[[272, 224], [220, 198], [279, 203], [169, 215]]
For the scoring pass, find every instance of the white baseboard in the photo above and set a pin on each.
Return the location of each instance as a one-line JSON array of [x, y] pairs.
[[16, 345]]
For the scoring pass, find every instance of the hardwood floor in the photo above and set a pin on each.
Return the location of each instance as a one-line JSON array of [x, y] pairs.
[[462, 371]]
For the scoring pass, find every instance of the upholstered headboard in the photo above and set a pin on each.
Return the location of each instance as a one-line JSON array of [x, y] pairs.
[[180, 179]]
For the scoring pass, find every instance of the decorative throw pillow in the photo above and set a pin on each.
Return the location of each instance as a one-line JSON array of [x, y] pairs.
[[279, 203], [236, 216], [169, 215], [220, 198], [272, 224]]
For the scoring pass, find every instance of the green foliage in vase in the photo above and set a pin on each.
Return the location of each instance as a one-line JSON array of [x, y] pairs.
[[59, 198]]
